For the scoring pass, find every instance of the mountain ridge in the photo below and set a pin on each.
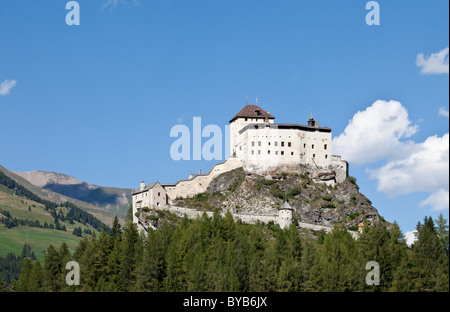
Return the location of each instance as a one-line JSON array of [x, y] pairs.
[[105, 214], [111, 198]]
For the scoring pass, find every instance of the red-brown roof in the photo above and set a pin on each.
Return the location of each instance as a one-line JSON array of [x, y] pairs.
[[253, 111]]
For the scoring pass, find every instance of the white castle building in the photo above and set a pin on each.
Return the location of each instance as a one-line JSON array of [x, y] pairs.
[[258, 145], [262, 144]]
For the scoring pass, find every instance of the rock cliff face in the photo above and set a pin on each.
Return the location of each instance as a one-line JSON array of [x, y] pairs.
[[313, 202]]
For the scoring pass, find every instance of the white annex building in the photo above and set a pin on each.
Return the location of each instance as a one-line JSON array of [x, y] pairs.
[[258, 145]]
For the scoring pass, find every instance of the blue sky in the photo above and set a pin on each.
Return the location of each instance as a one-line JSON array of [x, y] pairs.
[[98, 100]]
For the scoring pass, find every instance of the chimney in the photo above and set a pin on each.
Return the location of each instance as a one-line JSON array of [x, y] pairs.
[[311, 121], [142, 187], [200, 171]]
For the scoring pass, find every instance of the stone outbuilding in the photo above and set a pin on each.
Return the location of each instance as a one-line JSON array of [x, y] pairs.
[[152, 196], [285, 215]]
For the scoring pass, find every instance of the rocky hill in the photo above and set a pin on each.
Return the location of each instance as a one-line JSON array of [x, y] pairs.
[[313, 202]]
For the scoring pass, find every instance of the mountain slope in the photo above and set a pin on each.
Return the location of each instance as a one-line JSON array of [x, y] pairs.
[[27, 218], [101, 213], [115, 200]]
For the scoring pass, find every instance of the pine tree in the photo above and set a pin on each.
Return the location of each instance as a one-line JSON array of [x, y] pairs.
[[116, 231], [442, 229], [311, 278], [150, 271], [101, 254], [89, 272], [23, 284], [429, 259], [175, 279], [36, 277], [53, 270], [113, 268], [342, 269], [376, 245], [128, 256]]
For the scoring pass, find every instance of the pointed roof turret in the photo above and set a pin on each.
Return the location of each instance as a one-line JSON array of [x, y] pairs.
[[252, 111], [286, 206]]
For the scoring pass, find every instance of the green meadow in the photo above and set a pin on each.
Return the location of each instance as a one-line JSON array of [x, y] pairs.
[[12, 240]]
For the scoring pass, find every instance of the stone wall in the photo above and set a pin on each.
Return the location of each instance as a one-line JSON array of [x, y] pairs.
[[199, 184], [193, 213], [246, 218]]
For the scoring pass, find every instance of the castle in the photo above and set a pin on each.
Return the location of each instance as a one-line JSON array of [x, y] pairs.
[[258, 145]]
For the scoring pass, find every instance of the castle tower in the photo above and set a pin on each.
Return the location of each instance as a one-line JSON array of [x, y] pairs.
[[285, 215], [250, 114]]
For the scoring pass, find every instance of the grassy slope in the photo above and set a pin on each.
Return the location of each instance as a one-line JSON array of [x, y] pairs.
[[98, 212], [12, 240]]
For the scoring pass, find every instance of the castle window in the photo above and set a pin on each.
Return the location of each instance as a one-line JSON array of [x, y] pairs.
[[325, 146], [314, 155], [282, 152], [253, 152], [240, 148], [312, 146], [259, 152], [268, 152], [289, 144], [326, 156], [259, 143], [292, 153], [276, 152], [276, 143], [282, 144], [159, 194], [253, 143], [304, 145]]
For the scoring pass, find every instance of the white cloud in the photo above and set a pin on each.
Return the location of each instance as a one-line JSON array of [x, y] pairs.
[[381, 133], [436, 63], [374, 134], [410, 237], [443, 112], [423, 168], [438, 200], [6, 86]]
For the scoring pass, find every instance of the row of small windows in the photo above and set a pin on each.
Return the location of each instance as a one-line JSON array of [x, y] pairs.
[[268, 152], [282, 153], [146, 194], [275, 143], [289, 144]]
